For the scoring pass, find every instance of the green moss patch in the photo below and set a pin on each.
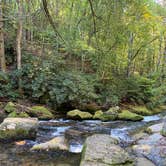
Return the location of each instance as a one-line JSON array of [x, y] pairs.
[[141, 110], [40, 112], [15, 114], [105, 116], [77, 114], [10, 107], [98, 114], [127, 115]]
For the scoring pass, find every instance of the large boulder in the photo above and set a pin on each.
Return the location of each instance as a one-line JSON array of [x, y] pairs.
[[40, 112], [18, 128], [127, 115], [58, 143], [102, 150], [80, 115]]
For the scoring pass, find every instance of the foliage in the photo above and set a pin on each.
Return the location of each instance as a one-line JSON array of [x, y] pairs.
[[65, 87], [104, 52], [7, 89], [139, 89], [159, 97]]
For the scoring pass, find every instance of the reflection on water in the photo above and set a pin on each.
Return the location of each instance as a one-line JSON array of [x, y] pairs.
[[12, 155]]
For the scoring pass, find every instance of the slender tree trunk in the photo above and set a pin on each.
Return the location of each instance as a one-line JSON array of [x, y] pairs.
[[160, 54], [19, 39], [50, 19], [130, 54], [57, 8], [19, 34], [163, 70], [2, 50]]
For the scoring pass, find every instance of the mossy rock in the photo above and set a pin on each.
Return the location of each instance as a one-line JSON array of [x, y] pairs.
[[105, 116], [18, 128], [113, 111], [163, 131], [17, 134], [77, 114], [101, 149], [40, 112], [141, 110], [18, 114], [98, 114], [127, 115], [10, 107], [108, 117]]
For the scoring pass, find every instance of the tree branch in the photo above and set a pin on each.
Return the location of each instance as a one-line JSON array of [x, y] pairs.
[[93, 15], [137, 52], [48, 15]]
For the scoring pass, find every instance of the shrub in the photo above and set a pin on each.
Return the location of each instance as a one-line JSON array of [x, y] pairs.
[[139, 89], [64, 87], [110, 93], [7, 87], [158, 98]]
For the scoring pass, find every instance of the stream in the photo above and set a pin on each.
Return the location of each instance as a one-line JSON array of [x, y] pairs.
[[75, 132]]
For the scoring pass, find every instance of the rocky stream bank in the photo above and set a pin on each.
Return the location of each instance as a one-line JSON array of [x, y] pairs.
[[36, 141]]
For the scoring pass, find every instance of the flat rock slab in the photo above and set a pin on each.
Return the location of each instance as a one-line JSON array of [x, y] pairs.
[[151, 140], [156, 128], [153, 148], [57, 143], [102, 150], [144, 162]]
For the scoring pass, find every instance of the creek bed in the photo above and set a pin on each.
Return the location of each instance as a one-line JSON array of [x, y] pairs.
[[75, 132]]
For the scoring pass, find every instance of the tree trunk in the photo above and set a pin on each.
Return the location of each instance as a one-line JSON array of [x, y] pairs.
[[19, 39], [2, 50], [19, 34], [160, 55], [163, 70], [130, 54]]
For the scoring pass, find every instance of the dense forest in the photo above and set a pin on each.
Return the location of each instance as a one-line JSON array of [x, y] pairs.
[[78, 52], [83, 82]]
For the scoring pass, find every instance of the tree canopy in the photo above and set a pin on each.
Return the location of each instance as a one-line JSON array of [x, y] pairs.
[[83, 51]]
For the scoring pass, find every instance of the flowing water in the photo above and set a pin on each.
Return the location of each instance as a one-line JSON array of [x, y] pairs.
[[75, 132]]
